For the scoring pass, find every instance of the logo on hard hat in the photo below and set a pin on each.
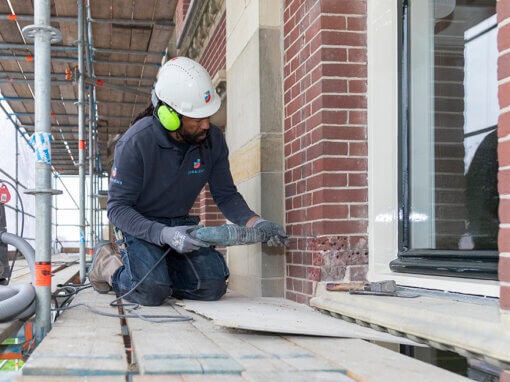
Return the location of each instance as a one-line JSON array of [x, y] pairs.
[[207, 94]]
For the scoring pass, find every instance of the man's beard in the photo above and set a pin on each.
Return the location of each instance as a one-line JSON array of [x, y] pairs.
[[192, 139]]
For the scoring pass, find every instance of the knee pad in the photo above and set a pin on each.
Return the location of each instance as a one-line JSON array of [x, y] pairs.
[[212, 290]]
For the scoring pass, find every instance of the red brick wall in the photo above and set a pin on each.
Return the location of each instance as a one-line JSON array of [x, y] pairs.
[[180, 14], [213, 58], [204, 206], [503, 10], [325, 71]]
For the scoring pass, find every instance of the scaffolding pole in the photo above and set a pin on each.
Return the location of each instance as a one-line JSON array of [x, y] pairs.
[[91, 146], [43, 35], [81, 136]]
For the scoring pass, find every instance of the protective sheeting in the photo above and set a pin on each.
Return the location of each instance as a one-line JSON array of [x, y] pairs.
[[277, 315], [25, 176]]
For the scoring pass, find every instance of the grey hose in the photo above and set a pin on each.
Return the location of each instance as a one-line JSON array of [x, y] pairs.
[[229, 234], [17, 301], [24, 247]]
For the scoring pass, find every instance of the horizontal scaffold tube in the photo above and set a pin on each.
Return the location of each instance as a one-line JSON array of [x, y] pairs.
[[73, 19]]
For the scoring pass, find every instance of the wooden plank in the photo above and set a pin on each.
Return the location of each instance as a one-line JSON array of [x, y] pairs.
[[288, 353], [250, 357], [188, 378], [176, 347], [366, 362], [297, 377], [26, 378], [21, 273], [81, 343], [64, 276], [259, 352]]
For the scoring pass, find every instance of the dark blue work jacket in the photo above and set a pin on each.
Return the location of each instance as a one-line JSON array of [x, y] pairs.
[[153, 177]]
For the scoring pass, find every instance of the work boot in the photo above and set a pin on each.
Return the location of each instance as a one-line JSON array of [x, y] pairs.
[[105, 261]]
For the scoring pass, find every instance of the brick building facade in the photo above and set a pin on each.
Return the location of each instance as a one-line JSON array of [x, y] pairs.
[[503, 11], [303, 140], [325, 86]]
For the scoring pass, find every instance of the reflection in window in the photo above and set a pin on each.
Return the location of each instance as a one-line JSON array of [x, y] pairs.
[[453, 111]]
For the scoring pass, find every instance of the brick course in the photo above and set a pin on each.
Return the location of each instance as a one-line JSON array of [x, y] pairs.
[[325, 138], [503, 10], [214, 55]]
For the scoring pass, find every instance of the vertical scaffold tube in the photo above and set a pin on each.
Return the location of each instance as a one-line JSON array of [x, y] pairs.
[[81, 136], [91, 171], [42, 70]]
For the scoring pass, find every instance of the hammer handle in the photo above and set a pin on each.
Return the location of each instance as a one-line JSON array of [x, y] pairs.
[[345, 287]]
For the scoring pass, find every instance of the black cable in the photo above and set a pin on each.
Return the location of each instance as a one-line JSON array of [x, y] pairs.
[[131, 307], [22, 225]]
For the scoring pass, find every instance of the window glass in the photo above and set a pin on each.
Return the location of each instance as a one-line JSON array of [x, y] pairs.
[[452, 119]]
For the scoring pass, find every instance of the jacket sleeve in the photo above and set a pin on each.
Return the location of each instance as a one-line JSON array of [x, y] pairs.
[[224, 191], [126, 183]]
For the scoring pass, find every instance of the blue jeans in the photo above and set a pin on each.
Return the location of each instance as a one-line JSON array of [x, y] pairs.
[[198, 275]]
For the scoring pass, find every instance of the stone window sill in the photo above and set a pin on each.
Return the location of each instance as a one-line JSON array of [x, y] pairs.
[[468, 325]]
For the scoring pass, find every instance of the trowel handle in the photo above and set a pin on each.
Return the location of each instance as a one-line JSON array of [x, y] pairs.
[[345, 287]]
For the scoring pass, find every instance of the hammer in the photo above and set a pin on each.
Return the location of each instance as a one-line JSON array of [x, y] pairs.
[[386, 286]]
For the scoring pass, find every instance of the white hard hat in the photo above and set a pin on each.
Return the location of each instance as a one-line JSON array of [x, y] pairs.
[[186, 86]]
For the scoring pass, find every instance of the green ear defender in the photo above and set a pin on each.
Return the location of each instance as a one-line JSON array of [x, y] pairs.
[[168, 118]]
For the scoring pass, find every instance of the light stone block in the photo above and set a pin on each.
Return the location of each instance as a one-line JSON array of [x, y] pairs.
[[250, 190], [272, 287], [243, 97], [242, 24], [272, 262], [264, 153], [270, 13], [247, 285], [271, 153], [271, 79], [272, 197]]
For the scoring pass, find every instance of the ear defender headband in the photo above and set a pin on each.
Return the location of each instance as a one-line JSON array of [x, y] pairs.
[[166, 115]]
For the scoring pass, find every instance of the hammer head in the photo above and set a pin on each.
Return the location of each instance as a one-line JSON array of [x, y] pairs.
[[382, 286]]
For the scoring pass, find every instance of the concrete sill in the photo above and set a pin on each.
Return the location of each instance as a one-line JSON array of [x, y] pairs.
[[468, 325]]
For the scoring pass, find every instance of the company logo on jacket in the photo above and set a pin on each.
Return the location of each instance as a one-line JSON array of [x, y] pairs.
[[196, 166], [113, 178]]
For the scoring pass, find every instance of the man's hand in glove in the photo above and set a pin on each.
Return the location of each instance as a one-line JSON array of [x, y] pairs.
[[276, 233], [179, 239]]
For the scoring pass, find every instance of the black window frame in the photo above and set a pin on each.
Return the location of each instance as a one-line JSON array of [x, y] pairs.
[[474, 264]]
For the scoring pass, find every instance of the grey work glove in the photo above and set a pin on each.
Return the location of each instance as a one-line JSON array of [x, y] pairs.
[[179, 239], [275, 232]]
